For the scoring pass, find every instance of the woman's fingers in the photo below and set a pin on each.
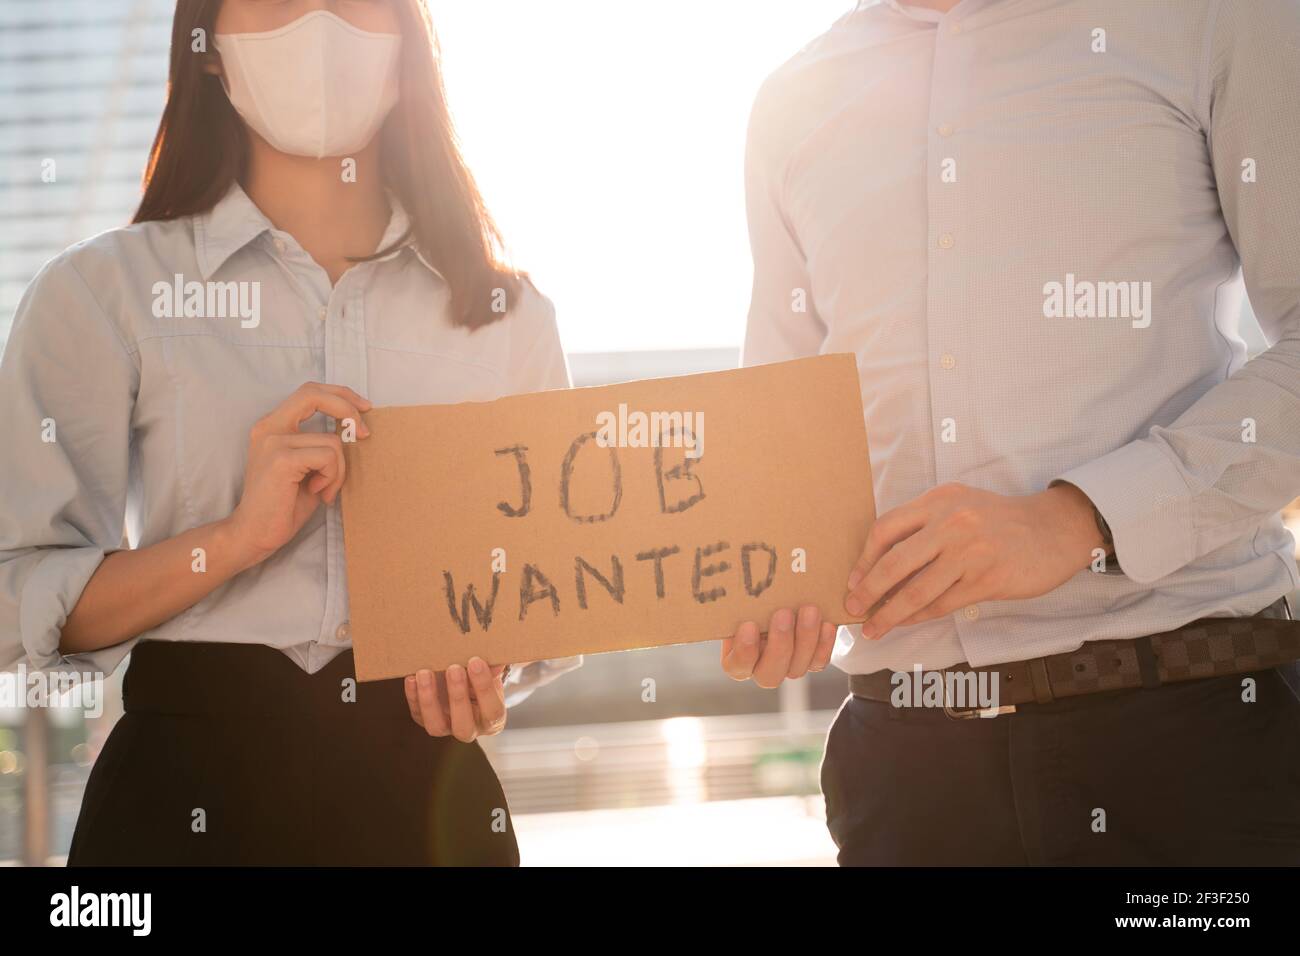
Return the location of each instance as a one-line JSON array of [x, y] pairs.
[[469, 702], [295, 464], [463, 725], [774, 663], [825, 647], [316, 463], [326, 483], [740, 652], [807, 630], [795, 644], [431, 715], [412, 698], [337, 401], [490, 696]]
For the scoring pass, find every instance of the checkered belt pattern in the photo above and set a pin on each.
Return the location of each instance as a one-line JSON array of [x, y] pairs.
[[1210, 647]]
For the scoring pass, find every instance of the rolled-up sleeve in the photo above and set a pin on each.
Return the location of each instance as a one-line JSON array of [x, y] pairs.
[[1232, 460], [523, 679], [67, 388]]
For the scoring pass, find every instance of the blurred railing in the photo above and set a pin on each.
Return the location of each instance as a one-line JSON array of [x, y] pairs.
[[657, 762]]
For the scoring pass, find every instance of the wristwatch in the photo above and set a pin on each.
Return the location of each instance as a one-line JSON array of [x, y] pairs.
[[1107, 539]]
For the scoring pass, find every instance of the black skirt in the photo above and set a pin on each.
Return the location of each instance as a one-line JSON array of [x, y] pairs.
[[231, 754]]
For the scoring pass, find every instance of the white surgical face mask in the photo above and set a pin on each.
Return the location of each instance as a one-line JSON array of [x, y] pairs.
[[316, 87]]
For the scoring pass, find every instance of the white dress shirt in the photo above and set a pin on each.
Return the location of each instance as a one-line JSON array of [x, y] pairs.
[[923, 180], [151, 416]]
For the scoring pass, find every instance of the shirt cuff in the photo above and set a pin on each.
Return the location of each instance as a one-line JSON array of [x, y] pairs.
[[49, 594], [523, 679], [1143, 496]]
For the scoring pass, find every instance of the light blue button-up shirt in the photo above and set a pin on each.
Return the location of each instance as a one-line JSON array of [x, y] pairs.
[[1030, 220], [119, 409]]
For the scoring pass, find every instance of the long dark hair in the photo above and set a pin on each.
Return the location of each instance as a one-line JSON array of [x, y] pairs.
[[202, 148]]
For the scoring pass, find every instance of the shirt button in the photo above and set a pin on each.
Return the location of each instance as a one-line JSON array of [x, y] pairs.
[[280, 245], [945, 241], [945, 129], [972, 613], [343, 631], [322, 312], [956, 26], [948, 361]]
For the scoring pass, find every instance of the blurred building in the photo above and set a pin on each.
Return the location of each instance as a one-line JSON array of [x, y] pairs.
[[81, 90]]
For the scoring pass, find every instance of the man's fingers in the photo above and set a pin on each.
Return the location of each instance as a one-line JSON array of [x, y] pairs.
[[807, 630], [489, 694], [890, 528], [431, 715], [463, 725], [955, 598], [774, 663], [919, 593], [894, 567], [740, 652], [825, 646]]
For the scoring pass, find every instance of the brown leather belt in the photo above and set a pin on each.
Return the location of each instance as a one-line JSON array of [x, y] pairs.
[[1210, 647]]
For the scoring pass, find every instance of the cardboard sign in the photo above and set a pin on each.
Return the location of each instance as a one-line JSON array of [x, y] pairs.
[[600, 519]]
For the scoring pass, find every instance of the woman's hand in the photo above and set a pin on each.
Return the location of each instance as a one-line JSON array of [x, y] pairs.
[[289, 472], [793, 646], [463, 702]]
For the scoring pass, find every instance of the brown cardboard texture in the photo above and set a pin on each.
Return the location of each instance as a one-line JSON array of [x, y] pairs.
[[546, 525]]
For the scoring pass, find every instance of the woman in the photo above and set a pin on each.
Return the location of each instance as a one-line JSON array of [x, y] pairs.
[[309, 243]]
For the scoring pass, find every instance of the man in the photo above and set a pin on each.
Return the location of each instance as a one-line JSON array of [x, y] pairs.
[[1029, 220]]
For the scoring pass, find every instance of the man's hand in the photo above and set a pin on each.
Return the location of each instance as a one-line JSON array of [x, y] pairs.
[[956, 546], [464, 702], [793, 646]]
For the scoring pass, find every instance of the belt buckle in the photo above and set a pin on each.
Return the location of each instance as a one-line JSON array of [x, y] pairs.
[[967, 713]]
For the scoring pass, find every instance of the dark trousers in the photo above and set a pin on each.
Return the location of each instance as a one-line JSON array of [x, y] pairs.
[[1183, 774], [231, 754]]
